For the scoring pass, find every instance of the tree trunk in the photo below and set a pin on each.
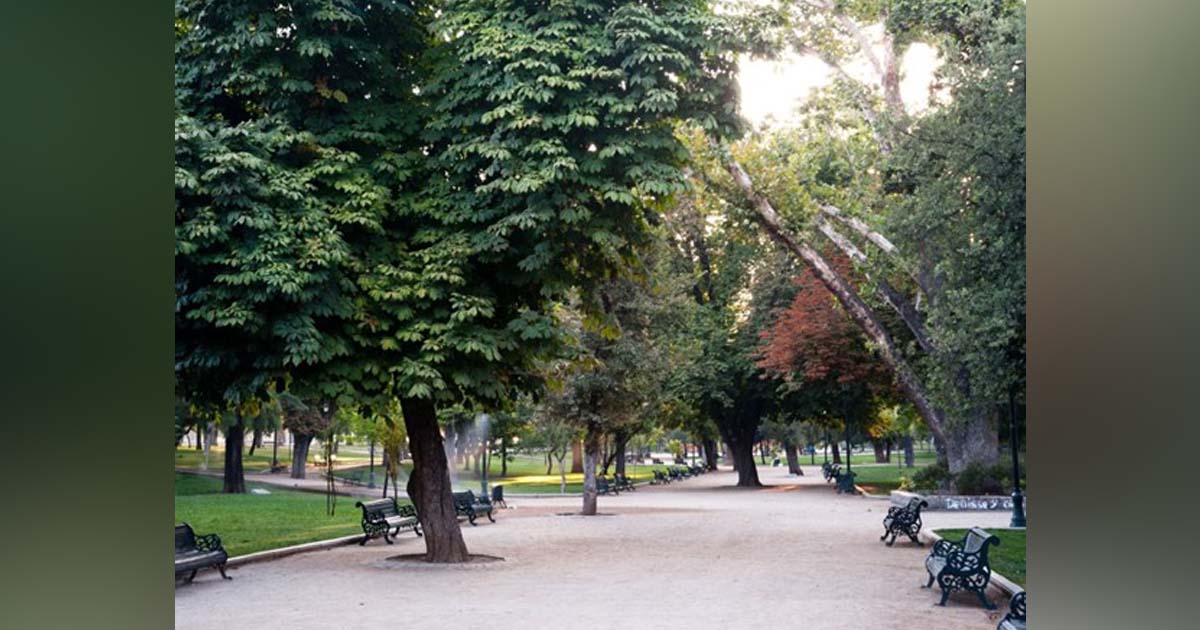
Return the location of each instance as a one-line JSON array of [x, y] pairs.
[[256, 441], [549, 464], [762, 453], [939, 447], [591, 452], [729, 460], [429, 485], [274, 450], [504, 456], [710, 454], [743, 462], [793, 458], [621, 443], [837, 455], [973, 440], [576, 456], [210, 438], [880, 458], [199, 438], [235, 480], [300, 446], [909, 455]]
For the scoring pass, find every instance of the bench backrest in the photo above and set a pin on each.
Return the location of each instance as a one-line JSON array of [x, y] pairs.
[[978, 541], [915, 504], [465, 497], [185, 538], [379, 507], [497, 493]]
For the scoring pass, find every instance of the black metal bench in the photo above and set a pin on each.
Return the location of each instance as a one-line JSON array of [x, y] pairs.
[[1015, 619], [830, 471], [193, 552], [845, 482], [963, 565], [623, 483], [698, 470], [381, 516], [904, 520], [498, 496], [604, 487], [466, 504], [660, 478]]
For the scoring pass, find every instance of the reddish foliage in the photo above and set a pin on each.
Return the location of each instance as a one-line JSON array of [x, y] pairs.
[[815, 340]]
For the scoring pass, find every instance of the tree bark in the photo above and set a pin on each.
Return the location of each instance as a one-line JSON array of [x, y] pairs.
[[909, 455], [429, 485], [549, 464], [300, 446], [504, 456], [199, 438], [591, 452], [710, 454], [837, 455], [743, 461], [256, 441], [793, 458], [235, 480], [576, 456], [973, 440], [877, 446]]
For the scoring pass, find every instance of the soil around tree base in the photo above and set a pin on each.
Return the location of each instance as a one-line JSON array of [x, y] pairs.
[[419, 558]]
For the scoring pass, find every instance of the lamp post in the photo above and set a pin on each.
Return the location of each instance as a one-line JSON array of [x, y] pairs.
[[1018, 514]]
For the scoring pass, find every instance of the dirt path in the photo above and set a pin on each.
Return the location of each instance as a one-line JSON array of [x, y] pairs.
[[696, 554]]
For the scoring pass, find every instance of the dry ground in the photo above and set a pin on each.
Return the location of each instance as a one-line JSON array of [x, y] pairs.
[[693, 555]]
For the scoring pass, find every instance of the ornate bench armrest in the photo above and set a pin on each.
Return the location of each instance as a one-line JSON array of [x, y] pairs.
[[208, 542], [408, 510], [944, 548], [962, 562]]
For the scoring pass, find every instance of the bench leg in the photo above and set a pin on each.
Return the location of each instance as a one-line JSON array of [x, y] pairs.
[[471, 519], [893, 539], [191, 577], [986, 604], [417, 529], [366, 537], [929, 584], [945, 596], [490, 516], [387, 536], [221, 568]]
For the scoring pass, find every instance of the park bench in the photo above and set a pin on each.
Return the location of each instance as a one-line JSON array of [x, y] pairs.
[[830, 471], [1015, 619], [603, 487], [845, 482], [381, 516], [904, 520], [698, 470], [963, 565], [466, 504], [660, 478], [498, 496], [193, 552], [622, 482]]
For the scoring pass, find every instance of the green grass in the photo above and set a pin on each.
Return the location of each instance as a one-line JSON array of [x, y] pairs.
[[261, 460], [1007, 559], [884, 478], [250, 522]]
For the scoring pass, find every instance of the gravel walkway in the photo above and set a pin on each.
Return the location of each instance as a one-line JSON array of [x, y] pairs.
[[696, 554]]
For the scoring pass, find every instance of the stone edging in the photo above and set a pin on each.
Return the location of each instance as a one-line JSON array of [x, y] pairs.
[[955, 502], [1006, 585], [272, 554]]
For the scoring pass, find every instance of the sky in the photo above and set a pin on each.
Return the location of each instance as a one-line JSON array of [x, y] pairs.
[[772, 90]]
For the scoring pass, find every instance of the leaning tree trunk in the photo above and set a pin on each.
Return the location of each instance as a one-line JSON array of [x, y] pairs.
[[549, 464], [909, 455], [300, 445], [710, 454], [256, 441], [235, 480], [793, 458], [429, 485], [591, 453]]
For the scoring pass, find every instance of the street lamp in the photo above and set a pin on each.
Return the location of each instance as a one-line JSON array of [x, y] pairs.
[[1018, 514]]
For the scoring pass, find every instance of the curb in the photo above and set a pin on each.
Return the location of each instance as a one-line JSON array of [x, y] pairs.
[[1007, 586], [272, 554]]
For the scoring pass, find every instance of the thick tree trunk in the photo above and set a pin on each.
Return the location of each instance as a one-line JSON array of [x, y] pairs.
[[909, 455], [591, 453], [300, 454], [710, 454], [877, 446], [429, 484], [837, 455], [939, 447], [729, 460], [235, 480], [973, 440], [793, 458], [576, 456], [743, 461]]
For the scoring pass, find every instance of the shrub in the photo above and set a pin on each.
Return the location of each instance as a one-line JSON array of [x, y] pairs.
[[980, 479], [931, 478]]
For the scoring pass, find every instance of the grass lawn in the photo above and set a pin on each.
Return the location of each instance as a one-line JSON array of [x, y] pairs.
[[261, 460], [251, 522], [1008, 559], [881, 479]]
